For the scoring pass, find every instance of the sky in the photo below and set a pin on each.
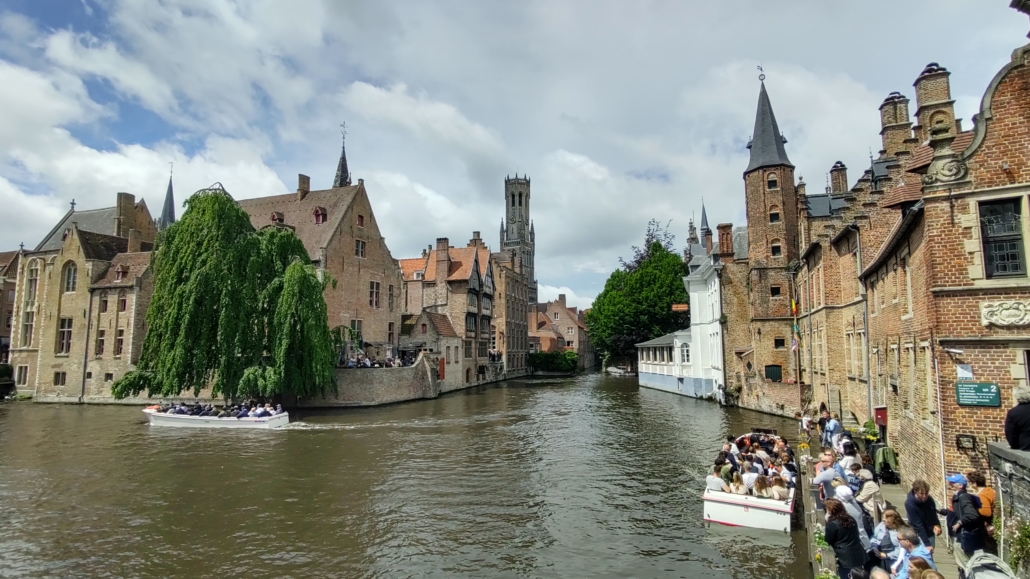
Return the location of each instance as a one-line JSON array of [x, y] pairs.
[[619, 112]]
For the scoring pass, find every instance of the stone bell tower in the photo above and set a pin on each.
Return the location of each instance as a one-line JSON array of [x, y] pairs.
[[517, 232]]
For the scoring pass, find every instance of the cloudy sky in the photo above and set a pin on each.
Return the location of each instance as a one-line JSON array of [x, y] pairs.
[[618, 111]]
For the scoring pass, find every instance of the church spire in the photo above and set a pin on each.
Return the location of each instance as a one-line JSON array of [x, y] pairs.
[[342, 173], [767, 143], [168, 210], [704, 220]]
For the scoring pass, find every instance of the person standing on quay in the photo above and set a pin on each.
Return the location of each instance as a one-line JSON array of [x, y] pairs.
[[842, 536], [922, 514], [1017, 421]]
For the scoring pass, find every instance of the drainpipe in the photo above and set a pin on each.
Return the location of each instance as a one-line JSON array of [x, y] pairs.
[[940, 415], [85, 350], [811, 345]]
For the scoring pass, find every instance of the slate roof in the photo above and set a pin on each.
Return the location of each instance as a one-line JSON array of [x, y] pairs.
[[740, 248], [407, 323], [666, 340], [300, 214], [767, 142], [823, 205], [97, 246], [879, 168], [168, 211], [134, 265], [95, 220], [442, 324]]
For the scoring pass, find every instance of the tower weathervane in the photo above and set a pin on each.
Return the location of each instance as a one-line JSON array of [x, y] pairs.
[[761, 73]]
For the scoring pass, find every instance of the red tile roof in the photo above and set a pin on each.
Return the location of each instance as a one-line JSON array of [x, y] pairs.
[[411, 266], [442, 324], [923, 154], [461, 263], [300, 214], [133, 264], [910, 188]]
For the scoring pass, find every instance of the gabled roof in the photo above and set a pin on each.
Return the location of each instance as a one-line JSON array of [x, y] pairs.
[[300, 214], [95, 220], [894, 238], [97, 246], [408, 323], [410, 266], [766, 144], [133, 264], [908, 189], [462, 259], [442, 324], [823, 205], [6, 257]]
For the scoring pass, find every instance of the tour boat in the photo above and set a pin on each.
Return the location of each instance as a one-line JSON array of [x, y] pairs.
[[616, 371], [182, 420], [748, 511]]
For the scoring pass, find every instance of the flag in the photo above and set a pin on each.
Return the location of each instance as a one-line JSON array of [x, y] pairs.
[[794, 307], [793, 344]]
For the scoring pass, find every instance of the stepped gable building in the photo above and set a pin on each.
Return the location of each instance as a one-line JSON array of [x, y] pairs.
[[8, 277], [339, 230], [60, 291], [911, 284], [511, 332], [458, 283], [517, 231], [565, 330]]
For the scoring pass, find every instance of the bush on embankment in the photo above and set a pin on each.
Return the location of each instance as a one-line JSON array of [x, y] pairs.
[[556, 361]]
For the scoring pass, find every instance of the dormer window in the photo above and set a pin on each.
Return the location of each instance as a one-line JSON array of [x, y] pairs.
[[418, 275], [119, 274], [771, 181], [319, 215], [66, 233], [361, 220], [277, 217]]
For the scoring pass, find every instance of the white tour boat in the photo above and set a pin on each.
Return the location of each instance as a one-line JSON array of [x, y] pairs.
[[181, 420], [748, 511]]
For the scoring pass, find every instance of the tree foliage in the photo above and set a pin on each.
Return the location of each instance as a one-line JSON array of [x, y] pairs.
[[234, 308], [656, 232], [636, 303], [556, 361]]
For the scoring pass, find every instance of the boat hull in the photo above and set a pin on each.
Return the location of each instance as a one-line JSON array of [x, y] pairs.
[[748, 511], [183, 421]]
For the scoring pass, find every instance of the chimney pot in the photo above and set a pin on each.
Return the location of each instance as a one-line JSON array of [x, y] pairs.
[[303, 186]]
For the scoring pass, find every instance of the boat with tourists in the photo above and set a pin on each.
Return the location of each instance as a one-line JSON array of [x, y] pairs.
[[747, 510], [158, 418]]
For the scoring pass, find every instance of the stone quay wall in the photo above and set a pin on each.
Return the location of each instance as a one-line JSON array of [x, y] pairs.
[[1011, 469]]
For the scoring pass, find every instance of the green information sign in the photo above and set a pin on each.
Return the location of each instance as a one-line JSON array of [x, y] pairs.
[[977, 394]]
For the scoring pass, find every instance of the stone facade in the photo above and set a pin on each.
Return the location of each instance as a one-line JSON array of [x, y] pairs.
[[340, 232], [8, 277], [517, 231], [908, 282], [55, 296], [433, 335], [510, 331], [1012, 481], [570, 324]]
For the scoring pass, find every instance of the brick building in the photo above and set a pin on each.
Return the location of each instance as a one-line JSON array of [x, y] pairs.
[[57, 298], [510, 331], [8, 276], [911, 284], [571, 327], [458, 283], [544, 334], [340, 232]]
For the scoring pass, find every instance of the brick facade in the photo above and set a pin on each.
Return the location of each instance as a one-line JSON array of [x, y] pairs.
[[8, 277], [569, 324], [511, 332]]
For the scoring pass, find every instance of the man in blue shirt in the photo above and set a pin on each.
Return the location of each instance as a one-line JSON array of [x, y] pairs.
[[832, 428], [911, 546]]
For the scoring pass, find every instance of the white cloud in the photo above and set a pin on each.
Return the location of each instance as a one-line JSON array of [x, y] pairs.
[[549, 293]]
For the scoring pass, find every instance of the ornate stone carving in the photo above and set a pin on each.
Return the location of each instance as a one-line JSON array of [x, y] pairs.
[[1008, 313], [946, 166]]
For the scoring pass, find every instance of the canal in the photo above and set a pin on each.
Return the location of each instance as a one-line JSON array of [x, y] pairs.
[[583, 477]]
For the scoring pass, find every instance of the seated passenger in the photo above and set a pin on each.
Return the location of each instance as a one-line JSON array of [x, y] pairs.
[[779, 490], [261, 412], [243, 413], [749, 476], [279, 409], [182, 410], [714, 482], [761, 487], [738, 487]]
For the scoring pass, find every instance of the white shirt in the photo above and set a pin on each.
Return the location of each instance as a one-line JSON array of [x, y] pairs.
[[749, 479], [714, 483]]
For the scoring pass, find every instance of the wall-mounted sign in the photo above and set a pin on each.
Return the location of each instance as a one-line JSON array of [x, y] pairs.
[[977, 394], [964, 372]]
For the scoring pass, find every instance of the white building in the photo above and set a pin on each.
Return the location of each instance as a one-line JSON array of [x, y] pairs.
[[689, 362]]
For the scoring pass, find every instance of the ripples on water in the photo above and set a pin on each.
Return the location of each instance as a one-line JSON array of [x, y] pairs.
[[591, 477]]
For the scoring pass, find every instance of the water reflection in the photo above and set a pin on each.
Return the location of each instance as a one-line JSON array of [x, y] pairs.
[[584, 477]]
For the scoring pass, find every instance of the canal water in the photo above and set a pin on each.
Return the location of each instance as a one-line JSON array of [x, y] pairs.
[[583, 477]]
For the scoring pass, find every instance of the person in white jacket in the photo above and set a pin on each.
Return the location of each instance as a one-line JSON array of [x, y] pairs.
[[868, 495]]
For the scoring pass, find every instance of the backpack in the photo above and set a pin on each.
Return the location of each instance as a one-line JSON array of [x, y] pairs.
[[868, 522], [888, 476]]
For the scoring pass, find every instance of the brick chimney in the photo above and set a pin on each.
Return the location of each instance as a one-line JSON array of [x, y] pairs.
[[725, 242], [561, 300], [134, 241], [124, 214], [303, 186], [476, 240], [707, 240], [933, 101], [895, 125], [838, 178], [443, 259]]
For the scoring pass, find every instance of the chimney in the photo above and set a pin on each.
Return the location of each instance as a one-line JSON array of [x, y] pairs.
[[933, 101], [707, 240], [725, 242], [476, 241], [303, 186], [800, 187], [561, 300], [838, 178], [134, 241], [361, 182], [424, 253], [124, 214], [443, 259], [895, 126]]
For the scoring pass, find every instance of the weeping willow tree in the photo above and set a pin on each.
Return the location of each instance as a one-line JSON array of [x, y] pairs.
[[234, 308]]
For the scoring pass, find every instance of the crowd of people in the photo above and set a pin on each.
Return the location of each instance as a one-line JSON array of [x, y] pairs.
[[763, 468], [246, 410], [871, 540], [363, 361]]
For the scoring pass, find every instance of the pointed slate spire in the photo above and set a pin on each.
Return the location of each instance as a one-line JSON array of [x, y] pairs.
[[704, 219], [342, 173], [767, 143], [168, 210]]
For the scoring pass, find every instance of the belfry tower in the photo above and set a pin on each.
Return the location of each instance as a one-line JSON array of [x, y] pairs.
[[517, 232]]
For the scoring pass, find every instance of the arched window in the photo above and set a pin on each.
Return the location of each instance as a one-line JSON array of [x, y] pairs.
[[33, 281], [520, 199], [771, 180], [774, 214], [70, 276], [123, 301], [775, 249], [468, 375], [425, 328], [513, 200], [103, 301]]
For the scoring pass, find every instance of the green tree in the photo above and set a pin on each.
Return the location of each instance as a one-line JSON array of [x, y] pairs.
[[234, 308], [636, 303]]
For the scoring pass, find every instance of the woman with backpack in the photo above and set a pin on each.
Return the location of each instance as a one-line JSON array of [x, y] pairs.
[[862, 519], [884, 542], [868, 494]]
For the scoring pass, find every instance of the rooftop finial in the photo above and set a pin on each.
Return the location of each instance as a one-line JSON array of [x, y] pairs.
[[73, 205], [342, 173], [171, 167], [761, 73], [21, 246]]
